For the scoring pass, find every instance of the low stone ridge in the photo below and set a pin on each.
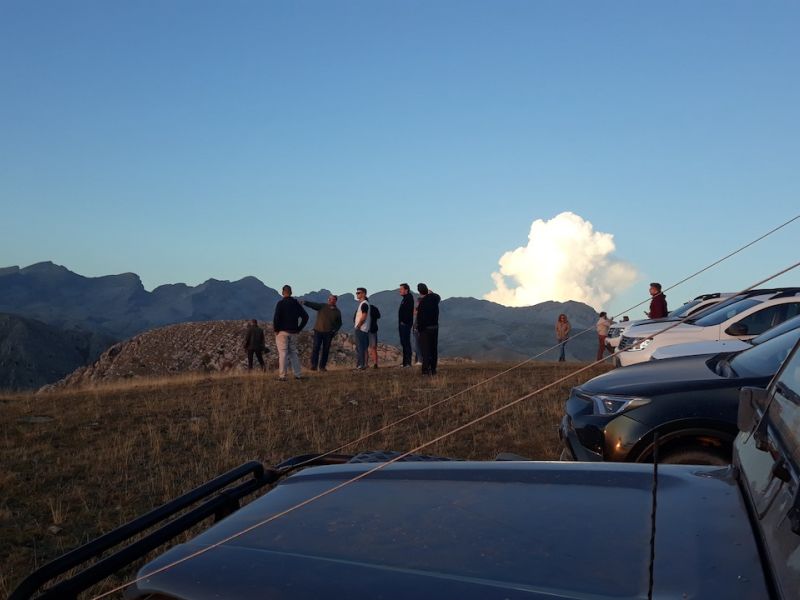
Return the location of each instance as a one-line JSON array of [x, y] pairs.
[[206, 347], [33, 353]]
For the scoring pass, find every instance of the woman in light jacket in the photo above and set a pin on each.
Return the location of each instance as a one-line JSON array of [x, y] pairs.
[[562, 334]]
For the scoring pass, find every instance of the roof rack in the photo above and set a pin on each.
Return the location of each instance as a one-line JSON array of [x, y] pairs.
[[219, 506], [220, 501]]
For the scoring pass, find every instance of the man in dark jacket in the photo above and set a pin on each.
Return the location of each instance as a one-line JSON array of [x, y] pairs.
[[658, 302], [428, 326], [405, 320], [288, 320], [329, 321], [254, 344]]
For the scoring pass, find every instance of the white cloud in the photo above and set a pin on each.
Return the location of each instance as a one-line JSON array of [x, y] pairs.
[[565, 259]]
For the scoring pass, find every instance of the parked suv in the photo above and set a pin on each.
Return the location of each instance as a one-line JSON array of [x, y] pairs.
[[715, 347], [690, 402], [476, 530], [744, 318], [693, 307]]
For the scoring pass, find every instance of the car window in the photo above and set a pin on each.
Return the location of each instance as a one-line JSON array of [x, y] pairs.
[[765, 359], [787, 325], [767, 318], [684, 310], [726, 312]]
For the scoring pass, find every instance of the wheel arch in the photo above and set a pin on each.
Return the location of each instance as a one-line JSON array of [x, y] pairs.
[[718, 435]]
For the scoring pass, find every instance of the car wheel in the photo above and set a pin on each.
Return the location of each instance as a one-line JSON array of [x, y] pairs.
[[693, 455]]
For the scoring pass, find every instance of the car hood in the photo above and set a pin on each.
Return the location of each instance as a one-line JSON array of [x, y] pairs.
[[696, 348], [648, 329], [682, 373], [477, 530]]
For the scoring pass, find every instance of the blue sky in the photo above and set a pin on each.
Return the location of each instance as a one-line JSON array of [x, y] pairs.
[[343, 143]]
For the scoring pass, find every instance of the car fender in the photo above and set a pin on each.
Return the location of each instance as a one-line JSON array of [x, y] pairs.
[[674, 433]]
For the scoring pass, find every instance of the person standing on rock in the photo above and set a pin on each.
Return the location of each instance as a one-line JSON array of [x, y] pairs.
[[428, 327], [362, 323], [289, 319], [254, 344], [405, 322], [329, 321]]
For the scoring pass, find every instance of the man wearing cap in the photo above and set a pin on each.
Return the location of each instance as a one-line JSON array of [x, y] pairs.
[[428, 326], [405, 320]]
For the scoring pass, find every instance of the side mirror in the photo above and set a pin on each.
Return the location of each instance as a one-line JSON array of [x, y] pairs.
[[750, 400], [737, 329]]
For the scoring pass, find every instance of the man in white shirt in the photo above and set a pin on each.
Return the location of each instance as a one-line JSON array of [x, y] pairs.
[[362, 322]]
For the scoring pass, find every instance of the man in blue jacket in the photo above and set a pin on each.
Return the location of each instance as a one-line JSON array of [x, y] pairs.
[[288, 320]]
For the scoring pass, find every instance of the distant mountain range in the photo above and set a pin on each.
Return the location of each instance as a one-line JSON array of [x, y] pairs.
[[102, 310]]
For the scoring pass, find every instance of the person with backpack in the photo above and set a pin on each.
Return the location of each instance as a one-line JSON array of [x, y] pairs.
[[374, 315], [361, 322]]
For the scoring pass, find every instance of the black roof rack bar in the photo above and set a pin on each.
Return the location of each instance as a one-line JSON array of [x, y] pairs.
[[311, 460], [221, 505]]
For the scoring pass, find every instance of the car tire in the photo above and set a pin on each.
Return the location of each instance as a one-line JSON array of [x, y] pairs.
[[693, 455]]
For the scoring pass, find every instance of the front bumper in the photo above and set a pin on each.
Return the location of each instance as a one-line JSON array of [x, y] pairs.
[[573, 449]]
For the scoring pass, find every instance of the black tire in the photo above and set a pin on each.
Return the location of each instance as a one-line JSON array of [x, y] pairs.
[[694, 455]]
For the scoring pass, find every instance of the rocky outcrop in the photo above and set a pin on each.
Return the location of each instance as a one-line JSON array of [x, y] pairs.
[[33, 353], [210, 346]]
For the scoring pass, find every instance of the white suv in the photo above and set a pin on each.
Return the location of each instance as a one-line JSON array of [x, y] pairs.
[[693, 307], [742, 319]]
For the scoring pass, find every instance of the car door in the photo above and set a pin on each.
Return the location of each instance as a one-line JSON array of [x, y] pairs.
[[760, 319], [769, 459]]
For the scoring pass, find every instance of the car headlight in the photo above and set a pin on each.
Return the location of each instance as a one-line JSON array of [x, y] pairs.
[[639, 344], [607, 404]]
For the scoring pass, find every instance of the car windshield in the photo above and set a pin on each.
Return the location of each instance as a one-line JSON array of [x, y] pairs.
[[679, 312], [726, 312], [792, 323], [765, 359]]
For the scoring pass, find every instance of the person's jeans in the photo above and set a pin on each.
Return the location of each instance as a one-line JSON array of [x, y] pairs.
[[561, 357], [287, 353], [405, 342], [601, 346], [322, 341], [428, 343], [362, 344]]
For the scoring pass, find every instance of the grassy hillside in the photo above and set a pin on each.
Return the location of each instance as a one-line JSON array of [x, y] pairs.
[[75, 464]]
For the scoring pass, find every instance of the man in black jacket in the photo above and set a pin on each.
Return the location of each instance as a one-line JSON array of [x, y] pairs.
[[254, 344], [428, 327], [405, 320], [288, 320]]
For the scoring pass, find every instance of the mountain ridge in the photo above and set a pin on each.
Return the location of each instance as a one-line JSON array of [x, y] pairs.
[[118, 307]]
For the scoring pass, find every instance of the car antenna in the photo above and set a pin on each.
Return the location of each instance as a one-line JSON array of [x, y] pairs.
[[653, 519]]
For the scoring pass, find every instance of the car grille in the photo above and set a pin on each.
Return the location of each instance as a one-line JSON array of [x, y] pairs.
[[626, 342]]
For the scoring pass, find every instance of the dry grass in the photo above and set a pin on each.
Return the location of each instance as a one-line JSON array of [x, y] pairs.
[[112, 452]]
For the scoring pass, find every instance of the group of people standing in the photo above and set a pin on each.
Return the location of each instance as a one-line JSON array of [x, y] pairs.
[[290, 317]]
